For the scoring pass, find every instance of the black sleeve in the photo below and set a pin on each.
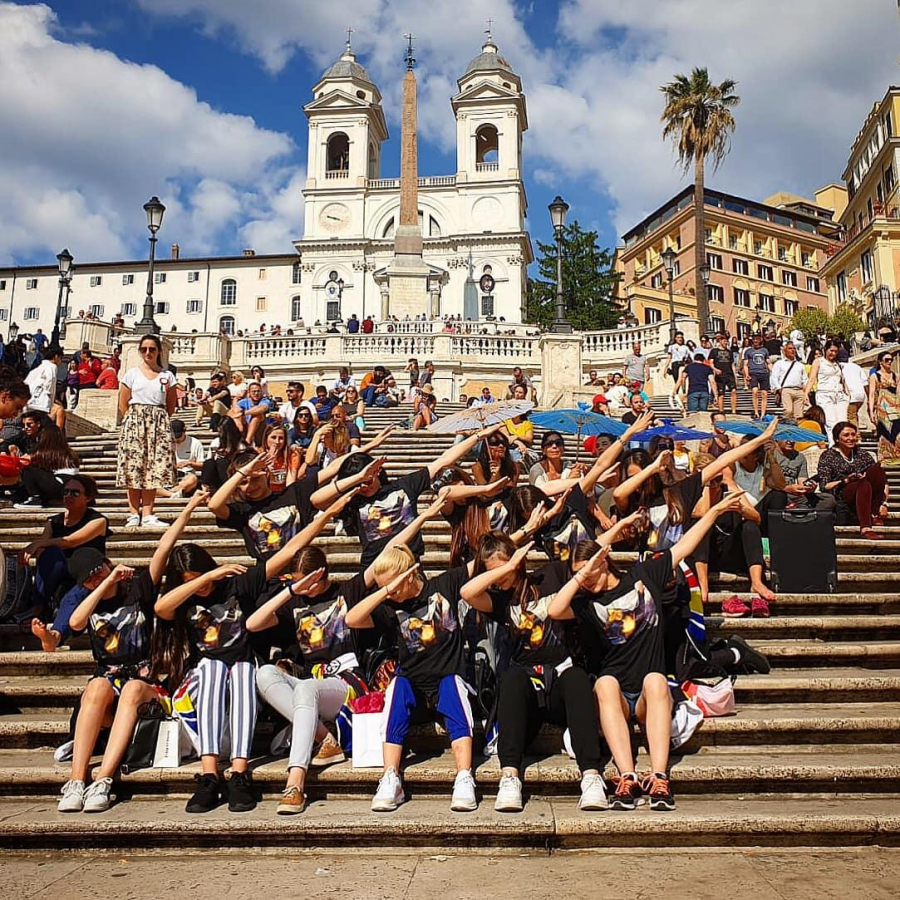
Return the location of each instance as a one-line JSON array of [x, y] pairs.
[[551, 578], [450, 583], [415, 483], [656, 573], [143, 592], [238, 512], [355, 590], [56, 523], [691, 490], [578, 503], [250, 588]]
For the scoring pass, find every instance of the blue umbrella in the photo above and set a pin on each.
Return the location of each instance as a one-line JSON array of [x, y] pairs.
[[784, 432], [670, 430], [578, 422]]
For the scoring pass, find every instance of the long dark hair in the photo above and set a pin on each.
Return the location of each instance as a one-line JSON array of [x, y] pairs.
[[508, 469], [53, 451], [352, 465], [471, 527], [522, 501], [494, 542], [230, 438], [12, 383]]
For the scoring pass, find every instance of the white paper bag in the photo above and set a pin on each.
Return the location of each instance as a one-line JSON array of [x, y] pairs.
[[367, 740], [168, 745]]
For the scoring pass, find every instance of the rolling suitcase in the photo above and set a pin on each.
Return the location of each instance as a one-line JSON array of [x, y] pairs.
[[803, 552]]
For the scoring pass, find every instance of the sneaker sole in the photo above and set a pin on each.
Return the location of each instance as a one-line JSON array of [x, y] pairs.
[[463, 807], [387, 805], [592, 807], [289, 810], [242, 807], [737, 615], [72, 810], [508, 807], [339, 758], [662, 806], [624, 807], [97, 809]]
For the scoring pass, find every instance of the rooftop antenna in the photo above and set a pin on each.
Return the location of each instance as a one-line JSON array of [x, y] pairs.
[[410, 59], [349, 35]]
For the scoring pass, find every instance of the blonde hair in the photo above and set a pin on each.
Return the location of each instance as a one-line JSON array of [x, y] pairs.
[[238, 375], [394, 560]]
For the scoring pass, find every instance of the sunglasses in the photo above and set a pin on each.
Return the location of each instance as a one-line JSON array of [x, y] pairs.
[[556, 442], [304, 415], [71, 492], [497, 442], [148, 349]]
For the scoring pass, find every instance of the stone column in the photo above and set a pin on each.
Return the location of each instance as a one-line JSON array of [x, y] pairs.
[[561, 368]]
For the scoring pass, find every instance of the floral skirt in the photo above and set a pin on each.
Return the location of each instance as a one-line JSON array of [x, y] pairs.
[[146, 459], [887, 427]]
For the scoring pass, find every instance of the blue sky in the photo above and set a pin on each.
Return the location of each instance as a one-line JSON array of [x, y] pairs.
[[105, 102]]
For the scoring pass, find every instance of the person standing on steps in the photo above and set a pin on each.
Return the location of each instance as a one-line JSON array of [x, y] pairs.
[[146, 453], [884, 409], [832, 395], [701, 384], [636, 368], [722, 359], [678, 355], [788, 380], [756, 374]]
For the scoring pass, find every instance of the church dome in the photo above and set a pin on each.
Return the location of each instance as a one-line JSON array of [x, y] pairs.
[[347, 67], [488, 60]]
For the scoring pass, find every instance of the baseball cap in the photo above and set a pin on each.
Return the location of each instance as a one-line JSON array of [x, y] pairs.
[[600, 398], [85, 562]]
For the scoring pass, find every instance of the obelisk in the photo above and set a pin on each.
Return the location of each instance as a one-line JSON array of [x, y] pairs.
[[407, 272]]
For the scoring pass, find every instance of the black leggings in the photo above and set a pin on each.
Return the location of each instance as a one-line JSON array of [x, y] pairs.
[[41, 483], [571, 702], [214, 472], [733, 545]]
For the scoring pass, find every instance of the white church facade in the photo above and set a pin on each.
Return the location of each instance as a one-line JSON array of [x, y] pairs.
[[472, 221]]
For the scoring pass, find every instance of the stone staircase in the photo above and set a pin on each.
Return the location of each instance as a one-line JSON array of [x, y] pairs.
[[812, 756]]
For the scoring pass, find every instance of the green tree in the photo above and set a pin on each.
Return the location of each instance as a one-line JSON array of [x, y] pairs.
[[697, 118], [845, 320], [588, 282], [811, 321]]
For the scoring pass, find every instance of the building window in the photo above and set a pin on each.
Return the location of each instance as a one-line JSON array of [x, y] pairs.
[[812, 284], [262, 275], [128, 309], [767, 303], [261, 304], [194, 306], [758, 248], [743, 329], [2, 284], [226, 325], [228, 296], [30, 284], [295, 273], [888, 179], [32, 312], [841, 285], [715, 292], [741, 297], [4, 315], [127, 279], [487, 147], [652, 316], [162, 308], [765, 272], [789, 278], [806, 259], [296, 310], [96, 280], [790, 307], [193, 276], [333, 310], [657, 280], [159, 277], [717, 324], [783, 254], [487, 306], [714, 260], [740, 266], [97, 310], [733, 242], [865, 263], [869, 209], [337, 156]]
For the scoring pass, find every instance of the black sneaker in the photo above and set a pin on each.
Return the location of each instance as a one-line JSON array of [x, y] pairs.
[[751, 659], [30, 503], [627, 795], [240, 793], [207, 796], [659, 792]]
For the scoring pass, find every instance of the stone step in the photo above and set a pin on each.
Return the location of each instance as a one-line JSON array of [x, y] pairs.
[[425, 823]]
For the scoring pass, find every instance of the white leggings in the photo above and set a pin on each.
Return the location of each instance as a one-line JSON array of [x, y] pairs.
[[303, 702], [213, 688], [835, 408]]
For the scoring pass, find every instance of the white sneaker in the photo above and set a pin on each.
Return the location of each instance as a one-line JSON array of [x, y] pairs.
[[463, 799], [72, 797], [671, 401], [133, 521], [282, 741], [509, 795], [593, 793], [389, 794], [152, 521], [64, 752], [96, 797]]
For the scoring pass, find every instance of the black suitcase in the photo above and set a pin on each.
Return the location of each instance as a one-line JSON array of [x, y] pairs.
[[803, 551]]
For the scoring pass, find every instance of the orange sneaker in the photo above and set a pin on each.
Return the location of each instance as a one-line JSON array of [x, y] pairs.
[[329, 752]]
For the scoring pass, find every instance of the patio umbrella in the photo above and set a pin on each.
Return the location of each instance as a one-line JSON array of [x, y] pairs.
[[578, 422], [477, 417], [784, 432], [674, 431]]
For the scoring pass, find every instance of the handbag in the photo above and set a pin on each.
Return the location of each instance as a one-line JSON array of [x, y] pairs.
[[713, 699], [156, 740]]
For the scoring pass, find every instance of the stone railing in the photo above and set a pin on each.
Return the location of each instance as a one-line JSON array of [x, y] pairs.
[[487, 346], [375, 184]]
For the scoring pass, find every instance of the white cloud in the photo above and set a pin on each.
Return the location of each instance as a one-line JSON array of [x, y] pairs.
[[87, 137]]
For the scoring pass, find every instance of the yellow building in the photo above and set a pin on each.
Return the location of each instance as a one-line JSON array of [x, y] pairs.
[[862, 266]]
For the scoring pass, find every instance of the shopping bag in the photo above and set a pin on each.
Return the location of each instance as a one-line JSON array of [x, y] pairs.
[[367, 740], [168, 745], [686, 720], [713, 699]]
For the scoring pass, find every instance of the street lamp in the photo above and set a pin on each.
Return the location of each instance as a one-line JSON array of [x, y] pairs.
[[64, 258], [709, 324], [154, 210], [770, 326], [558, 209], [668, 260], [13, 332]]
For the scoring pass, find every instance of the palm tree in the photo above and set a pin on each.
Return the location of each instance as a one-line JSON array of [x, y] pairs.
[[697, 117]]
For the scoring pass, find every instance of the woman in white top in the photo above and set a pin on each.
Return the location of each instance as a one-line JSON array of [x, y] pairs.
[[238, 387], [259, 376], [831, 389], [42, 382], [146, 458]]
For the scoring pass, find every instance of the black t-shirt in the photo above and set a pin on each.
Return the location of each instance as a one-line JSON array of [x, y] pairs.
[[573, 525], [773, 346], [628, 620], [216, 623], [430, 641], [698, 377], [723, 360], [318, 632], [664, 534], [120, 628], [58, 529], [389, 511], [267, 525]]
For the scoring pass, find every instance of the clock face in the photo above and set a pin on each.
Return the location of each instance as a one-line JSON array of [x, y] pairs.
[[335, 217]]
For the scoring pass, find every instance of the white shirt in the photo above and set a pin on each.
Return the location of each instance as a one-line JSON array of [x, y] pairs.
[[783, 376], [855, 379], [42, 382], [189, 450], [679, 352], [148, 391], [238, 391], [288, 411], [340, 386], [617, 396]]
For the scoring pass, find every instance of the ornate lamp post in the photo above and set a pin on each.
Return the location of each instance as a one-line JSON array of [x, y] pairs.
[[558, 209], [668, 259], [704, 278], [64, 258], [154, 210]]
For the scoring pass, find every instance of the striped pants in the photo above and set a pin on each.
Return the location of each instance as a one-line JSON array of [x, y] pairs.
[[214, 689]]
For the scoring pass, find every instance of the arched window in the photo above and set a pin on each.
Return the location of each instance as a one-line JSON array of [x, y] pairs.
[[296, 309], [295, 273], [487, 148], [229, 292], [338, 156], [388, 231], [226, 325], [434, 228], [373, 162]]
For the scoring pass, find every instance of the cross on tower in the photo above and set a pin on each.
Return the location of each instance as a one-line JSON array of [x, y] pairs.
[[410, 59], [489, 31], [349, 34]]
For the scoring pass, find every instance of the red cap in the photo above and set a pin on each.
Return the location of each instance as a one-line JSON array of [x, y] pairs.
[[600, 398]]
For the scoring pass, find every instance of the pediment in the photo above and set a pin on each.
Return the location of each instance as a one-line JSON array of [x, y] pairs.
[[487, 90], [337, 100]]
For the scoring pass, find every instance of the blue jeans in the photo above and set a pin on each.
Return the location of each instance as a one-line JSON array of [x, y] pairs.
[[698, 401], [50, 575], [368, 394]]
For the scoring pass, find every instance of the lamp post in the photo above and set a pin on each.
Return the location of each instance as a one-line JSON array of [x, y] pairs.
[[13, 332], [668, 260], [558, 209], [154, 210], [885, 307], [704, 278], [64, 258]]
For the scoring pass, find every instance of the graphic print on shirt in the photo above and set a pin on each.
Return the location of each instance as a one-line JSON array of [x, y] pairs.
[[272, 530], [498, 516], [628, 615], [120, 633], [323, 630], [219, 626], [531, 623], [421, 628], [385, 516], [562, 544]]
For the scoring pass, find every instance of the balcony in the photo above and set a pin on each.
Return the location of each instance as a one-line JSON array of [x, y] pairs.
[[487, 167], [855, 230], [378, 184], [337, 173]]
